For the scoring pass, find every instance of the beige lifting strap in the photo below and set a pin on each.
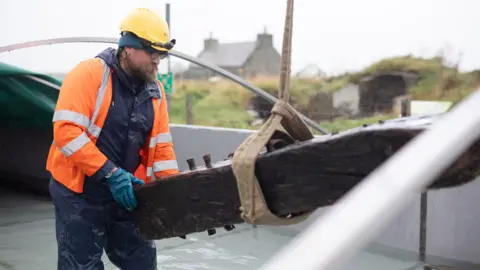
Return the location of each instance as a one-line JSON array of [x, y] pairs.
[[254, 209]]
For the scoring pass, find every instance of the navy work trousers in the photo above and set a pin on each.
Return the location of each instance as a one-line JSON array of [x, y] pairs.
[[90, 222]]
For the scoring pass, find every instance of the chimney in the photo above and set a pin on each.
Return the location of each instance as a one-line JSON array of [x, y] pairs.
[[210, 43], [264, 39]]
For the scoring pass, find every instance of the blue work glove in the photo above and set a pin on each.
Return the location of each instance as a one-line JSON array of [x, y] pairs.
[[121, 185]]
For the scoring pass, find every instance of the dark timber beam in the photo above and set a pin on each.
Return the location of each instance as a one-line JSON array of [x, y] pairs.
[[297, 178]]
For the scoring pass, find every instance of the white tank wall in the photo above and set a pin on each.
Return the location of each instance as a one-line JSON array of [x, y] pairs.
[[196, 141], [453, 223], [403, 232]]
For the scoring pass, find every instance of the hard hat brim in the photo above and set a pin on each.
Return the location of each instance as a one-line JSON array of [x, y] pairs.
[[157, 48]]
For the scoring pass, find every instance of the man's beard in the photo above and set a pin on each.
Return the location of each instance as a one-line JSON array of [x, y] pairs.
[[147, 73]]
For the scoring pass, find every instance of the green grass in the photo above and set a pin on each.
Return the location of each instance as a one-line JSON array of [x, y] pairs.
[[212, 105], [223, 103]]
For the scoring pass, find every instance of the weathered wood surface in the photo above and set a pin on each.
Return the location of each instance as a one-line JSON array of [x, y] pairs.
[[297, 178]]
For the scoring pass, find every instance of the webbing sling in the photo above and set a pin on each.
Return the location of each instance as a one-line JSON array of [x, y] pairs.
[[254, 209]]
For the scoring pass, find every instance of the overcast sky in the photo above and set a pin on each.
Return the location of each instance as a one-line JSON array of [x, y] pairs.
[[337, 35]]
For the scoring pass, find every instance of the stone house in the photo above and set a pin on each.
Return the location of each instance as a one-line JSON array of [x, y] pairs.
[[245, 59]]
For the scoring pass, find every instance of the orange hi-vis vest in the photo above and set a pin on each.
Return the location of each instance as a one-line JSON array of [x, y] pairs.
[[80, 113]]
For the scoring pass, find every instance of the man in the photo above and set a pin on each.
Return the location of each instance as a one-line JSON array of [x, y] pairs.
[[111, 132]]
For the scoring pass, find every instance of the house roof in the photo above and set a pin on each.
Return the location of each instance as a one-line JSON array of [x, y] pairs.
[[229, 54]]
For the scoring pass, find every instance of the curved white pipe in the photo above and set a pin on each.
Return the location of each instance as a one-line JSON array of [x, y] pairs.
[[229, 75]]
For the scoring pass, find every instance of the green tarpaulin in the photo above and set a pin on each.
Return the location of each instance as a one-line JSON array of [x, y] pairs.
[[27, 99]]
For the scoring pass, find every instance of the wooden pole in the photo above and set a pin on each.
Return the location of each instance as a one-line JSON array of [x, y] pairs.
[[188, 108], [422, 243], [167, 18]]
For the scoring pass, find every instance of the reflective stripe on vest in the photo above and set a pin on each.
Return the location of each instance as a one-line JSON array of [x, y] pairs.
[[164, 164], [160, 138], [82, 120], [94, 130]]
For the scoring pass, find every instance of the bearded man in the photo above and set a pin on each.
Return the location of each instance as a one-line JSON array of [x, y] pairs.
[[111, 132]]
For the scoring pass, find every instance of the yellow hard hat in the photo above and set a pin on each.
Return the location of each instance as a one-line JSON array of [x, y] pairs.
[[149, 26]]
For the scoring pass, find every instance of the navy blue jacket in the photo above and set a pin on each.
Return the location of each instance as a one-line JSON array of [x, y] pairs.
[[129, 120]]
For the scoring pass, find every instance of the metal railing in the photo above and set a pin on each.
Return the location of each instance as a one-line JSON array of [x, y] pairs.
[[348, 226]]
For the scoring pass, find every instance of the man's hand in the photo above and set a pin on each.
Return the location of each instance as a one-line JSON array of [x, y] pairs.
[[121, 185]]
